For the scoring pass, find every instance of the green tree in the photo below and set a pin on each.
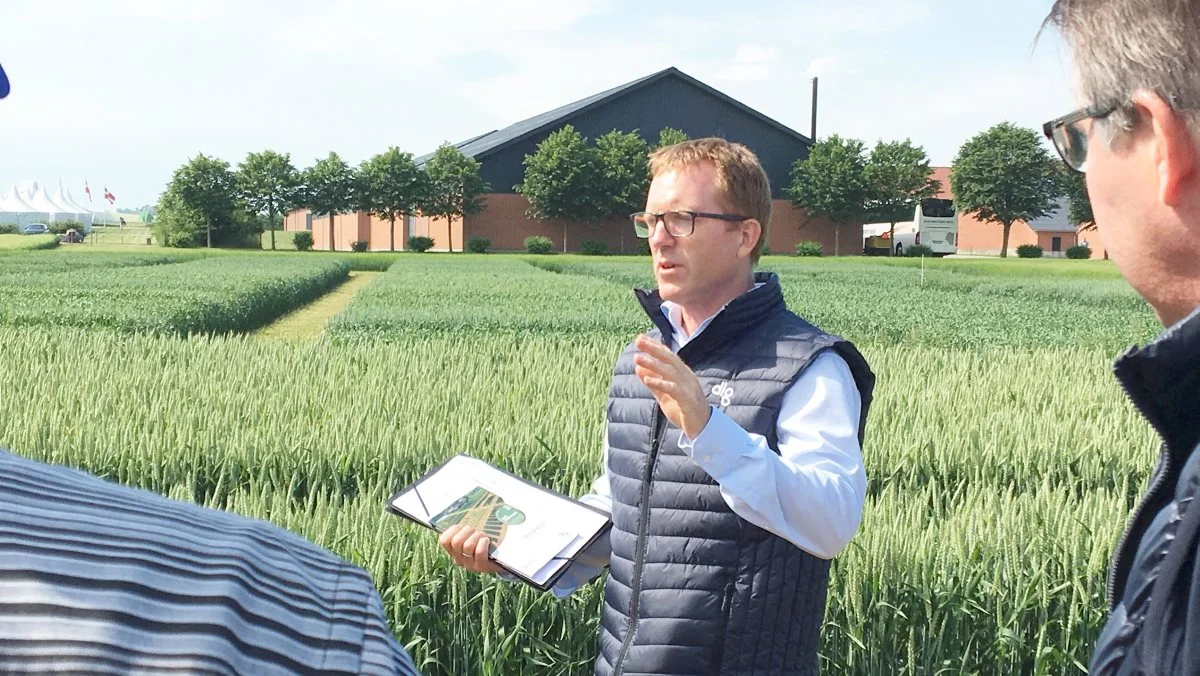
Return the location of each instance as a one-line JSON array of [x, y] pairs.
[[454, 188], [898, 177], [1075, 189], [669, 136], [832, 182], [624, 161], [178, 224], [268, 184], [201, 203], [564, 179], [329, 189], [390, 187], [1004, 175]]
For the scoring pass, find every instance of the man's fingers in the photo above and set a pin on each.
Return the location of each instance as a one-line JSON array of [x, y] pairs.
[[651, 380], [651, 363], [662, 359], [643, 373], [479, 548], [468, 548], [454, 540], [658, 386], [460, 539], [482, 545], [448, 535], [483, 564], [650, 346], [469, 545]]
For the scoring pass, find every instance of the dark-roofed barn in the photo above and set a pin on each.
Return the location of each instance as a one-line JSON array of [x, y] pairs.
[[665, 99], [668, 98]]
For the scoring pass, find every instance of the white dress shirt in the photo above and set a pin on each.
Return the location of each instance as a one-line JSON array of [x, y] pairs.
[[811, 493]]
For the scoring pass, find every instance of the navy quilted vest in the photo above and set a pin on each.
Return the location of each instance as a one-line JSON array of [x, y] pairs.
[[694, 588]]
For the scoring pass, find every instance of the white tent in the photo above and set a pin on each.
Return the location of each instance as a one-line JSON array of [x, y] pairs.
[[69, 209], [29, 202], [14, 209], [76, 203], [26, 190], [11, 202], [105, 218], [42, 204]]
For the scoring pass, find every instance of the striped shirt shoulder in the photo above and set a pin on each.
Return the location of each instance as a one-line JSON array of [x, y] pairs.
[[101, 578]]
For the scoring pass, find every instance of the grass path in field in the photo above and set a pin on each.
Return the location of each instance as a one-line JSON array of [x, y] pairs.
[[308, 321]]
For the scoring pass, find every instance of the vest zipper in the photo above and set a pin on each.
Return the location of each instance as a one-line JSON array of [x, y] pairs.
[[726, 611], [1160, 478], [639, 561]]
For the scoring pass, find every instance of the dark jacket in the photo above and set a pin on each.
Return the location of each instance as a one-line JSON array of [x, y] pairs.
[[693, 588], [1154, 584]]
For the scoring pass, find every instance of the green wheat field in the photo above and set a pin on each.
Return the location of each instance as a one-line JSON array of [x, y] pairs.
[[1002, 457]]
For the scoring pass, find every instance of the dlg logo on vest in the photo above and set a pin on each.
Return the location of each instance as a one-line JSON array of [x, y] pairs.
[[723, 390]]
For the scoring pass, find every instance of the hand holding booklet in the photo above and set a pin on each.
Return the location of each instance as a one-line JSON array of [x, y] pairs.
[[535, 532]]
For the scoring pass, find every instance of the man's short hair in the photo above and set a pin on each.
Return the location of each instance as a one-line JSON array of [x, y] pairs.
[[1121, 46], [740, 177]]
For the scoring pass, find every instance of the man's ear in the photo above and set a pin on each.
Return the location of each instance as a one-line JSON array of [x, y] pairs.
[[1174, 146], [751, 230]]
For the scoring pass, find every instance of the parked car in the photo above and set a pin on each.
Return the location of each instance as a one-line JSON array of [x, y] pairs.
[[35, 229]]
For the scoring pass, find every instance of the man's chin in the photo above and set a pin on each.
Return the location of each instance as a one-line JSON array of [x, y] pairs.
[[666, 290]]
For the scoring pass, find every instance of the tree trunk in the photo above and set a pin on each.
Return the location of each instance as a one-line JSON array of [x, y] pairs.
[[332, 245], [1004, 243], [271, 223], [392, 233], [564, 236], [837, 239], [892, 239], [208, 227], [449, 233]]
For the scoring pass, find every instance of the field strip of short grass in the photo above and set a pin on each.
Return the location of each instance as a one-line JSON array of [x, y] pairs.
[[308, 321]]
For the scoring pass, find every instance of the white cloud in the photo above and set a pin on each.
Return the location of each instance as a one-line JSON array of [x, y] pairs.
[[157, 10], [422, 33], [822, 67], [750, 63]]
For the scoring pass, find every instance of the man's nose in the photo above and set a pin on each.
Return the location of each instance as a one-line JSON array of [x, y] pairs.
[[659, 235]]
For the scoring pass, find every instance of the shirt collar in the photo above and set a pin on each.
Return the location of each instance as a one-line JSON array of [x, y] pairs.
[[674, 315]]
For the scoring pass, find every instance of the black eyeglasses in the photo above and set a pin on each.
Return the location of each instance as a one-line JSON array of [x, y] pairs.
[[677, 223], [1070, 138]]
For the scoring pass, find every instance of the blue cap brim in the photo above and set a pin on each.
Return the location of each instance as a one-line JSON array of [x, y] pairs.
[[4, 88]]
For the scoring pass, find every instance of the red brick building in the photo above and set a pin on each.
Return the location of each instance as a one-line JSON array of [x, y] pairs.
[[1051, 232]]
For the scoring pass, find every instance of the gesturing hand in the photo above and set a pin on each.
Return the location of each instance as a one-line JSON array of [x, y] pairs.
[[673, 385]]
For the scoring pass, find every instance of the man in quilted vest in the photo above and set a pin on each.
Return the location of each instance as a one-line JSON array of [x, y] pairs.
[[732, 456]]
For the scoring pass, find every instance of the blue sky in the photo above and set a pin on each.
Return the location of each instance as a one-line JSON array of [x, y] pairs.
[[121, 93]]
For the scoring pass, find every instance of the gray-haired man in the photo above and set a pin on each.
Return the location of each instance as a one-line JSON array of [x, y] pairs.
[[1137, 65]]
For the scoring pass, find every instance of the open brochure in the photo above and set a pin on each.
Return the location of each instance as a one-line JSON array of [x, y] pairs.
[[535, 532]]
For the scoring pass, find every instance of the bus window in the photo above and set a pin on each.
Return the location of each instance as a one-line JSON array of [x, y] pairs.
[[937, 208]]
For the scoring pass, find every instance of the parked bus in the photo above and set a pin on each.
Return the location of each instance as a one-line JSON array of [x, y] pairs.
[[934, 224]]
